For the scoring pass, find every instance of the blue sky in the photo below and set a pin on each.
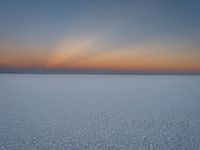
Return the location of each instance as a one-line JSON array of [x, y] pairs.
[[37, 28]]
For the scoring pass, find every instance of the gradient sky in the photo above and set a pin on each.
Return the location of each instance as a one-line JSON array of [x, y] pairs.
[[115, 35]]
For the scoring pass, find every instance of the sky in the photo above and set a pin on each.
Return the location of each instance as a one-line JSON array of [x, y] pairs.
[[100, 36]]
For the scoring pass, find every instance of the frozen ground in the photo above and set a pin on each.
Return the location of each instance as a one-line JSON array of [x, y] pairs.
[[104, 112]]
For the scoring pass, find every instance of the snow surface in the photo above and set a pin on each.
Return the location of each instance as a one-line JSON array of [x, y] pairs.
[[104, 112]]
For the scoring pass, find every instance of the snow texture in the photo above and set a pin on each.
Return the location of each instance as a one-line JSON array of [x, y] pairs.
[[103, 112]]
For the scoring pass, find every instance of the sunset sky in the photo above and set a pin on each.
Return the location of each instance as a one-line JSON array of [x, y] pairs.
[[86, 36]]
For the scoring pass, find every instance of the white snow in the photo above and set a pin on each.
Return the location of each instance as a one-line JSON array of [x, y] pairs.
[[99, 112]]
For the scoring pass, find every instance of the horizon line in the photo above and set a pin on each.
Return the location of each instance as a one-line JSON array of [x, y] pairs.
[[6, 70]]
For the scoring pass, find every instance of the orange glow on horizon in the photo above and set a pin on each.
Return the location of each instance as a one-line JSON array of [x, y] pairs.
[[84, 54], [130, 62]]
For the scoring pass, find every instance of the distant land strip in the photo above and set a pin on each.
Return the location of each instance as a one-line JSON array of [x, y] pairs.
[[92, 71]]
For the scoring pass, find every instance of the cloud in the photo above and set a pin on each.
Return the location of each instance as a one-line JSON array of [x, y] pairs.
[[70, 49]]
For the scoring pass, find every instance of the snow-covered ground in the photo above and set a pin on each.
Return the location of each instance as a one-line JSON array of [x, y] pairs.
[[105, 112]]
